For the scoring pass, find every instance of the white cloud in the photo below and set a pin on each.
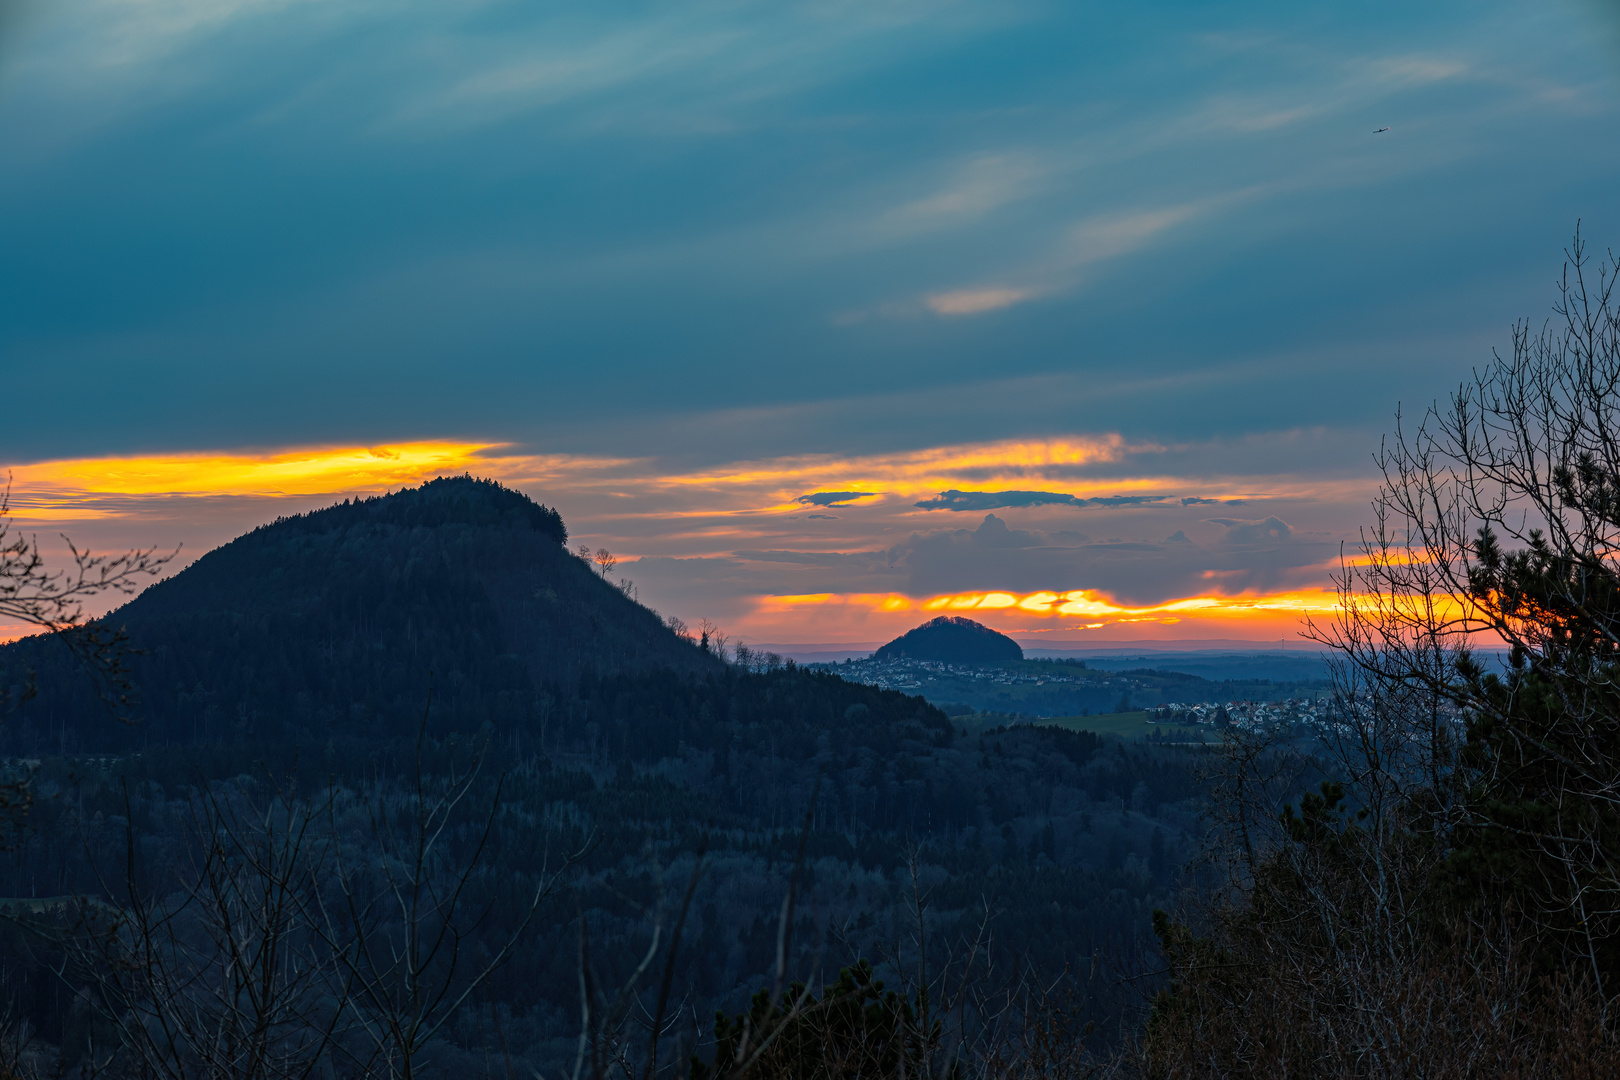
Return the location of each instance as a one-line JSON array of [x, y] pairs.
[[1091, 241], [1109, 237], [976, 301], [1268, 121], [980, 186], [692, 67], [77, 42], [556, 72], [1414, 70]]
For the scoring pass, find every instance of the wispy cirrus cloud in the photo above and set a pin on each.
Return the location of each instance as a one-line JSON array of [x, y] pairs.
[[977, 301], [1084, 245], [967, 192]]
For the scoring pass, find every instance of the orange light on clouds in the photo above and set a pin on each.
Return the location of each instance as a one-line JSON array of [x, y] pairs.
[[649, 506], [880, 602], [59, 489], [1090, 604], [1076, 612], [766, 486], [910, 473]]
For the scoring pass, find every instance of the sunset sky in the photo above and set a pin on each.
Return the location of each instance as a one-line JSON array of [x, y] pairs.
[[1083, 319]]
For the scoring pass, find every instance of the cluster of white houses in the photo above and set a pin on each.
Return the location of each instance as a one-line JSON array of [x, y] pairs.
[[904, 673], [1241, 713]]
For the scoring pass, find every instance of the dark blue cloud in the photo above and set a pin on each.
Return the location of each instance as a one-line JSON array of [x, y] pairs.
[[1268, 531], [995, 556], [999, 500], [995, 500], [833, 559], [834, 499], [757, 228]]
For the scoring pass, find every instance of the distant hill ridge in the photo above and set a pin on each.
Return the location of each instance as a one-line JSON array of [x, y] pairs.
[[951, 639], [338, 620]]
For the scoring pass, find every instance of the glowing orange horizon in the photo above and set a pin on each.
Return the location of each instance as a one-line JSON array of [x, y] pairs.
[[1079, 604], [611, 493]]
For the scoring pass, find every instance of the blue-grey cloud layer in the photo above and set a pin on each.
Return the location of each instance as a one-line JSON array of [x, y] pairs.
[[1247, 557], [833, 499], [1008, 500], [720, 228]]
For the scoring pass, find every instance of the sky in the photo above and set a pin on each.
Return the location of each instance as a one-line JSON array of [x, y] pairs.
[[1085, 320]]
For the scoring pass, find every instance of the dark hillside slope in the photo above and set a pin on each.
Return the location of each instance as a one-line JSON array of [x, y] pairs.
[[336, 621]]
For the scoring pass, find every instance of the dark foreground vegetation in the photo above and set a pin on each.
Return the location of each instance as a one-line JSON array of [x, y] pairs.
[[1447, 904], [405, 787]]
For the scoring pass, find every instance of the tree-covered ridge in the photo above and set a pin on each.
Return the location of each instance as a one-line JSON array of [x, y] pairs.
[[447, 500], [339, 620]]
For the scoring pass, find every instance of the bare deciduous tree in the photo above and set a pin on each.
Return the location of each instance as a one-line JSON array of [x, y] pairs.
[[340, 935], [53, 601], [1449, 903], [1498, 527], [400, 917], [710, 637], [218, 969]]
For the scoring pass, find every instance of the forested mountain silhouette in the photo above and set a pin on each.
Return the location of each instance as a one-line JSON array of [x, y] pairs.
[[951, 639], [338, 620]]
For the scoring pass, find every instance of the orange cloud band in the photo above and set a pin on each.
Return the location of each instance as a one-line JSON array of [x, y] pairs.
[[637, 489], [1077, 604], [59, 489], [327, 469], [713, 506], [908, 474]]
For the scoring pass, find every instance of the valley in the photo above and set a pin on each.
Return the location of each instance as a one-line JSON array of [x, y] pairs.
[[1041, 689]]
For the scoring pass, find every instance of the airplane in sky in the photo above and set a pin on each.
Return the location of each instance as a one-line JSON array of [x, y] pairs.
[[1377, 130]]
